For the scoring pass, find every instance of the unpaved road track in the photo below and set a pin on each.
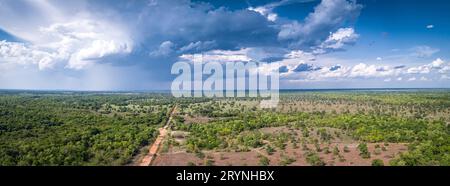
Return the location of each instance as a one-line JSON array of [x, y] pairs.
[[148, 159]]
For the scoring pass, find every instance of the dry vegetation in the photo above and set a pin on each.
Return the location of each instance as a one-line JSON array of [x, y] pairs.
[[314, 128]]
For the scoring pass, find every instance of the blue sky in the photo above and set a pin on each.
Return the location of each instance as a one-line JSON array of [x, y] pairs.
[[131, 45]]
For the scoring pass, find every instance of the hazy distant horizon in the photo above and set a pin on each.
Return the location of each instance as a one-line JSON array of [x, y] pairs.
[[281, 90]]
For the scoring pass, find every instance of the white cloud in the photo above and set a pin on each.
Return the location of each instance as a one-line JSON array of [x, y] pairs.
[[372, 71], [445, 69], [360, 70], [221, 56], [85, 41], [437, 63], [430, 26], [21, 54], [267, 10], [338, 40], [96, 50], [75, 44], [419, 70], [425, 69], [379, 58], [328, 16], [424, 51], [165, 49], [325, 70], [363, 70], [300, 55]]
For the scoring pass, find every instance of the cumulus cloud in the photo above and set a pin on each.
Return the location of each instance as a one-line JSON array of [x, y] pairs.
[[327, 17], [364, 70], [425, 69], [337, 40], [372, 71], [304, 66], [267, 9], [165, 49], [19, 53], [85, 41], [74, 45], [445, 69], [266, 12]]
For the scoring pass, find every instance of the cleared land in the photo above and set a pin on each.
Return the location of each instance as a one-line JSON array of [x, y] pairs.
[[350, 128]]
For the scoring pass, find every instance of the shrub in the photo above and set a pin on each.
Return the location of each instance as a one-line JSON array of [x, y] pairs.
[[314, 159], [209, 162], [200, 155], [336, 150], [270, 150], [285, 160], [377, 162], [263, 161], [363, 150], [377, 151], [191, 163], [346, 149]]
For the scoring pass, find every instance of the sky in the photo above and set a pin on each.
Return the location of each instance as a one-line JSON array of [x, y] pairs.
[[132, 45]]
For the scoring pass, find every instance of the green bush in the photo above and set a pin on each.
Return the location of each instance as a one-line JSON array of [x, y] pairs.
[[363, 150], [377, 162]]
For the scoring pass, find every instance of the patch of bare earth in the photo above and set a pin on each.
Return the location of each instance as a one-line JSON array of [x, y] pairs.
[[177, 156], [196, 119], [251, 158]]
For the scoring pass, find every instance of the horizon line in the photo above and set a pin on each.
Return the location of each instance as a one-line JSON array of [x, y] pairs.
[[167, 90]]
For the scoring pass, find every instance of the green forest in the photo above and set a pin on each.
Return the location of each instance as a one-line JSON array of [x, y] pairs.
[[41, 128]]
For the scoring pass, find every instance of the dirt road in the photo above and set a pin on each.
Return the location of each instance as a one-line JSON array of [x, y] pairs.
[[148, 159]]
